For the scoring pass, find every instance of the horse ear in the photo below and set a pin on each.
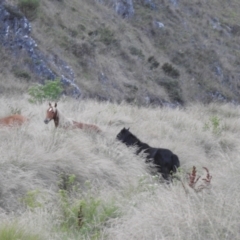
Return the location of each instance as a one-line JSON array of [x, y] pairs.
[[55, 105], [128, 128]]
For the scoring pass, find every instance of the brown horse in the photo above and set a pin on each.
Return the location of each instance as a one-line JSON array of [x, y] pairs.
[[13, 120], [61, 121]]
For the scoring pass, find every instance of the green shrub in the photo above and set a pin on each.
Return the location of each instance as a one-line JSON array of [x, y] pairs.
[[67, 182], [87, 217], [29, 8], [214, 125], [30, 199], [95, 214], [50, 91]]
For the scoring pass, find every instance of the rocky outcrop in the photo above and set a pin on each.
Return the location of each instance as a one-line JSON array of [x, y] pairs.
[[124, 8], [15, 32]]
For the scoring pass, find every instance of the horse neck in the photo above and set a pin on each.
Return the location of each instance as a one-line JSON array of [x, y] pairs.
[[134, 140], [141, 145], [61, 121], [56, 119]]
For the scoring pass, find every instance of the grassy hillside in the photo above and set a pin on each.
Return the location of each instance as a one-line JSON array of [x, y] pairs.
[[48, 175], [76, 184], [194, 57]]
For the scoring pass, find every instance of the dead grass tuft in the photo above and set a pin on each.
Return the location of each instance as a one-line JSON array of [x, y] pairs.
[[197, 182]]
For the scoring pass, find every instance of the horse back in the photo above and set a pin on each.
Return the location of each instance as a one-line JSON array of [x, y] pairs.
[[86, 126], [165, 154], [13, 120]]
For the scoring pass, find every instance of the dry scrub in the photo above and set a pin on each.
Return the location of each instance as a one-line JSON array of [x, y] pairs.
[[58, 184]]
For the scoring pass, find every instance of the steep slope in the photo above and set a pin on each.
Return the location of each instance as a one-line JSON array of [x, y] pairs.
[[161, 51]]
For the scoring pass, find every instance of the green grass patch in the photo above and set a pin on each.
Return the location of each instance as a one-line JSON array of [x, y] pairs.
[[87, 217], [30, 199], [214, 125], [14, 232]]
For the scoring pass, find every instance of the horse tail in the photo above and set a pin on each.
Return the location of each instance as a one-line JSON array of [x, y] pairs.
[[175, 163]]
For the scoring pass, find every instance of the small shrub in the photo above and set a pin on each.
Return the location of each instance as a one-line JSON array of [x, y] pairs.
[[86, 217], [73, 32], [15, 110], [69, 212], [50, 91], [132, 88], [81, 50], [170, 70], [67, 182], [136, 52], [173, 89], [29, 8], [235, 30], [94, 215], [22, 74], [14, 11], [106, 36], [213, 124], [30, 199], [153, 62], [81, 27]]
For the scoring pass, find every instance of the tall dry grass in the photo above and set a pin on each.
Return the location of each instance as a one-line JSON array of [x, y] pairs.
[[46, 174]]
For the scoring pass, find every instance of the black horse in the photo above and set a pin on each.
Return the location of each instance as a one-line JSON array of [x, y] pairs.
[[165, 161]]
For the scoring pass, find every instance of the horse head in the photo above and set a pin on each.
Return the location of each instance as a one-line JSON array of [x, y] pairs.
[[51, 113], [123, 134]]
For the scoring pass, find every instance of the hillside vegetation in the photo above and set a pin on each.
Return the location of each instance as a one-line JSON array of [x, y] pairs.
[[168, 51], [60, 184], [76, 184]]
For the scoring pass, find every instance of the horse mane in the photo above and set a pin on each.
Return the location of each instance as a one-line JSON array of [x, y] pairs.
[[133, 136], [63, 121], [141, 145]]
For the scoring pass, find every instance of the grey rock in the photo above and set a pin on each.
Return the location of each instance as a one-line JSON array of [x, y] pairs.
[[15, 32], [124, 8]]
